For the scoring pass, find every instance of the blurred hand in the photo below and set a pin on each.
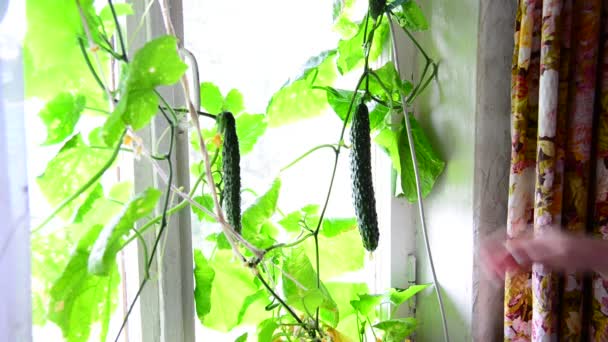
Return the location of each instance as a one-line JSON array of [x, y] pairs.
[[558, 251]]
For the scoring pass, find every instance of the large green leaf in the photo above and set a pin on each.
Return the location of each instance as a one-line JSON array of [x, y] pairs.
[[342, 16], [350, 51], [366, 303], [308, 215], [211, 98], [340, 100], [244, 312], [340, 253], [79, 299], [207, 202], [112, 237], [430, 164], [156, 63], [390, 82], [258, 214], [412, 17], [301, 291], [398, 297], [73, 166], [298, 99], [249, 128], [397, 330], [266, 330], [203, 278], [234, 102], [343, 293], [335, 226], [53, 61], [232, 284], [61, 115]]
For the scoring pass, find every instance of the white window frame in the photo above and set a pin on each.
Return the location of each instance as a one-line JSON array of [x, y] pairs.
[[166, 305]]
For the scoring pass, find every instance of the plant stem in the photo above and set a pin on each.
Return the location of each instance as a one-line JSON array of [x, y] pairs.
[[333, 147], [119, 32], [278, 298], [175, 209], [83, 188], [288, 245], [372, 328], [200, 113], [89, 64]]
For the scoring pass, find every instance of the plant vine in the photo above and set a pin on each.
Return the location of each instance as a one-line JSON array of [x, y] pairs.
[[301, 305]]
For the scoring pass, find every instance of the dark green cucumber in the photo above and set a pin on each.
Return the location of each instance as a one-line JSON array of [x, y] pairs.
[[361, 176], [231, 169], [376, 8]]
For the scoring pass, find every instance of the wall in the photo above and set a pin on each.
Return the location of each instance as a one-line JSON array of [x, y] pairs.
[[15, 315], [466, 115]]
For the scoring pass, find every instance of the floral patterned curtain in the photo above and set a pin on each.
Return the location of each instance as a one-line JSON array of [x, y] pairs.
[[559, 163]]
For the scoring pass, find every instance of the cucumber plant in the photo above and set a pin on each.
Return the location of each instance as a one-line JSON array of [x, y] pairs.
[[273, 258]]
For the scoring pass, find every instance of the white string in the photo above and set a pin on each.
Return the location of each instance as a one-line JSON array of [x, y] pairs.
[[418, 188]]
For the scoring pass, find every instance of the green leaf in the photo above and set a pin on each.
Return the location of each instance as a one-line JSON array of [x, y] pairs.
[[366, 303], [73, 166], [298, 99], [61, 115], [232, 284], [339, 254], [53, 63], [430, 165], [234, 102], [211, 98], [121, 191], [156, 63], [242, 338], [343, 293], [266, 330], [343, 23], [249, 301], [392, 81], [112, 129], [260, 212], [89, 203], [399, 297], [122, 9], [78, 299], [350, 51], [207, 202], [335, 226], [397, 330], [308, 214], [111, 238], [250, 128], [412, 17], [299, 268], [340, 100], [203, 278]]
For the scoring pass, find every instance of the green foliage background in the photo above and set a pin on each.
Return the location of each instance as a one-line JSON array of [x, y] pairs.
[[283, 295]]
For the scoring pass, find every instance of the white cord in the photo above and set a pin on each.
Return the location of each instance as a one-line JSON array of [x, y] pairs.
[[418, 190]]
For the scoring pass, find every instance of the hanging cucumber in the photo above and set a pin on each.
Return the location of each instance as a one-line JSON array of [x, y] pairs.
[[361, 176], [376, 8], [231, 170]]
